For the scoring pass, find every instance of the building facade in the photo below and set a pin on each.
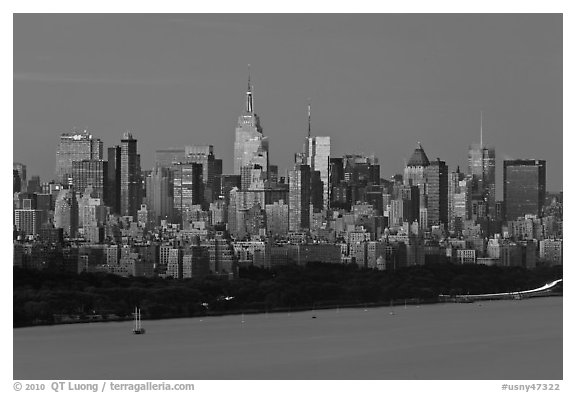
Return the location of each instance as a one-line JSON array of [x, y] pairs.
[[75, 146], [130, 177], [524, 188], [250, 145]]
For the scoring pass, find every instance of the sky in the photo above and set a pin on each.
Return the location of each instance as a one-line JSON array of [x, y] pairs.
[[378, 84]]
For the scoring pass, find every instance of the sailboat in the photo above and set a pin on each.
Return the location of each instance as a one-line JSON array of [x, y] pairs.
[[138, 329]]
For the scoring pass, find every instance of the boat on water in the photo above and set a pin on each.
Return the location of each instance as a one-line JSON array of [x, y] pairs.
[[138, 329]]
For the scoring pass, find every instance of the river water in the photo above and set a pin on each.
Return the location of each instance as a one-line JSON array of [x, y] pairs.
[[504, 339]]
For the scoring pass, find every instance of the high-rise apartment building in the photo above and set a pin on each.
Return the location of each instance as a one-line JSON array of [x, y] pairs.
[[27, 221], [277, 218], [250, 146], [75, 146], [130, 177], [524, 188]]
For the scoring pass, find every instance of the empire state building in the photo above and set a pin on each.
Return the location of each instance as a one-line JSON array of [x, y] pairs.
[[250, 146]]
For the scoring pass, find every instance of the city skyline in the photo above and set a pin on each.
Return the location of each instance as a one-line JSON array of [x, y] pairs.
[[194, 105]]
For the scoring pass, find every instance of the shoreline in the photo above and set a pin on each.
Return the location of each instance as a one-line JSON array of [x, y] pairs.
[[316, 307]]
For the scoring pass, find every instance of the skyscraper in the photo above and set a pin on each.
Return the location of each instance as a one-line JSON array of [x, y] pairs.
[[299, 198], [16, 182], [524, 187], [188, 186], [166, 157], [130, 177], [90, 173], [75, 146], [459, 204], [317, 152], [113, 178], [204, 155], [250, 146], [21, 169], [436, 176], [482, 168], [160, 193], [414, 170], [66, 212]]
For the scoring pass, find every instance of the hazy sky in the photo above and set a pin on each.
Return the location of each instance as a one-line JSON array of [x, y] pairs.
[[378, 84]]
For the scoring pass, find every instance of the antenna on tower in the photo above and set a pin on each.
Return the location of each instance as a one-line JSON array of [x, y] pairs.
[[309, 123], [249, 86], [481, 116], [249, 98]]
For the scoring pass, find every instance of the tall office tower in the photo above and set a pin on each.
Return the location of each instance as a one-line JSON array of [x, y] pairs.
[[459, 202], [250, 146], [227, 183], [299, 198], [360, 172], [317, 150], [217, 182], [90, 173], [166, 157], [336, 176], [336, 170], [66, 212], [113, 178], [204, 155], [130, 177], [524, 188], [410, 196], [16, 182], [273, 173], [482, 167], [21, 169], [316, 191], [436, 177], [34, 185], [160, 193], [75, 146], [414, 170], [188, 187]]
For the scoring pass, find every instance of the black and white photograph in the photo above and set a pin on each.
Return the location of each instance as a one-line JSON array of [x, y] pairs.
[[287, 197]]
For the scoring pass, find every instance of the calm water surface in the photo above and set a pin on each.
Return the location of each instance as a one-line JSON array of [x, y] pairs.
[[484, 340]]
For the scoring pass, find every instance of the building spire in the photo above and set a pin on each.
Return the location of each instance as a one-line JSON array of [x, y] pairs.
[[249, 85], [481, 131], [309, 123], [249, 98]]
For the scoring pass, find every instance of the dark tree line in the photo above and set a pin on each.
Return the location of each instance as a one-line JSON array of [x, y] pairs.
[[43, 297]]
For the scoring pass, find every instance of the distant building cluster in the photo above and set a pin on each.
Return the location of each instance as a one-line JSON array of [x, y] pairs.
[[184, 218]]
